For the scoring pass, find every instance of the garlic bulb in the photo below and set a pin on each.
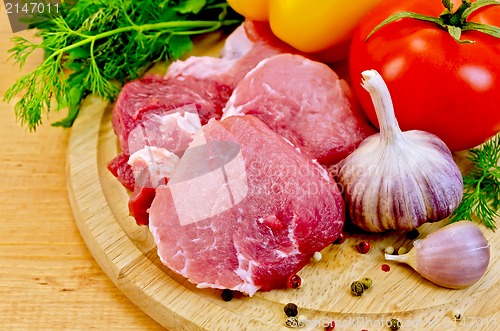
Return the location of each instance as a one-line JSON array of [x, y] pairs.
[[455, 256], [398, 180]]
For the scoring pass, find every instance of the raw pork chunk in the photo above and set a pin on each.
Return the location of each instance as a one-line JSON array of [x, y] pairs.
[[244, 208], [305, 102]]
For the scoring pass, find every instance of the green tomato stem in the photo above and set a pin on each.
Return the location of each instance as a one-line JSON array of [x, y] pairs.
[[454, 23], [457, 19]]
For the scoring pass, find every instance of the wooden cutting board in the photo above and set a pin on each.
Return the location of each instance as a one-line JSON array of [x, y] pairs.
[[127, 253]]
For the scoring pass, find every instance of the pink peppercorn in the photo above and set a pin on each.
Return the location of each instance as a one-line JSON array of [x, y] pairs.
[[364, 247], [330, 326], [294, 281]]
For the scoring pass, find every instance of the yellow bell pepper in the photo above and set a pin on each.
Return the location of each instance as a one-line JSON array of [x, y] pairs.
[[257, 10], [308, 25]]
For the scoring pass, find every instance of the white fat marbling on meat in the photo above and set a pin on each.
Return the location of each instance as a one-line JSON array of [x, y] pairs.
[[291, 235], [172, 131], [158, 162], [269, 89], [282, 254], [230, 109], [245, 272], [237, 44], [189, 122], [201, 67]]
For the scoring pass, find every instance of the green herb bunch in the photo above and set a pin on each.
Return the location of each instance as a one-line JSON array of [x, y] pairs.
[[482, 185], [94, 46]]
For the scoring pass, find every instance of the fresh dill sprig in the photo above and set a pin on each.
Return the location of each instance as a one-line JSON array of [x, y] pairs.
[[94, 46], [482, 186]]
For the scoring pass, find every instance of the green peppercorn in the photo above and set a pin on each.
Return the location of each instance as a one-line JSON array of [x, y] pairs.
[[291, 310], [367, 282], [357, 288], [394, 324], [292, 322], [402, 250]]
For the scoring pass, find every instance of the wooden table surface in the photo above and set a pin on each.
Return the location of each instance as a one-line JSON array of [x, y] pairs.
[[48, 278]]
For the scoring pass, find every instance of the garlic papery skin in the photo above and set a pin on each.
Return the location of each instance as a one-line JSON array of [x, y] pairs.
[[455, 256], [398, 180]]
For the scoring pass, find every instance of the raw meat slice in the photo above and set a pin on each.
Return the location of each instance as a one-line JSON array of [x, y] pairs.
[[244, 209], [305, 102]]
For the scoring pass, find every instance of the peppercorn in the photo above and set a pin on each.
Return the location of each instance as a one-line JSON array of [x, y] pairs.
[[413, 234], [301, 320], [367, 282], [357, 288], [291, 322], [340, 239], [317, 256], [291, 310], [364, 247], [330, 326], [402, 250], [394, 324], [294, 281], [227, 295], [389, 250], [457, 315]]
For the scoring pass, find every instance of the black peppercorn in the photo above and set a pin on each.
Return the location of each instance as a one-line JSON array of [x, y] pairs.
[[357, 288], [394, 324], [291, 310], [227, 295], [340, 239]]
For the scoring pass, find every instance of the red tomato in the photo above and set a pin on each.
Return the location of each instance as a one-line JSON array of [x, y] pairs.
[[437, 84]]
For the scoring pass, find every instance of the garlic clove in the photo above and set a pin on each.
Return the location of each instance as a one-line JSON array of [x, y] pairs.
[[455, 256]]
